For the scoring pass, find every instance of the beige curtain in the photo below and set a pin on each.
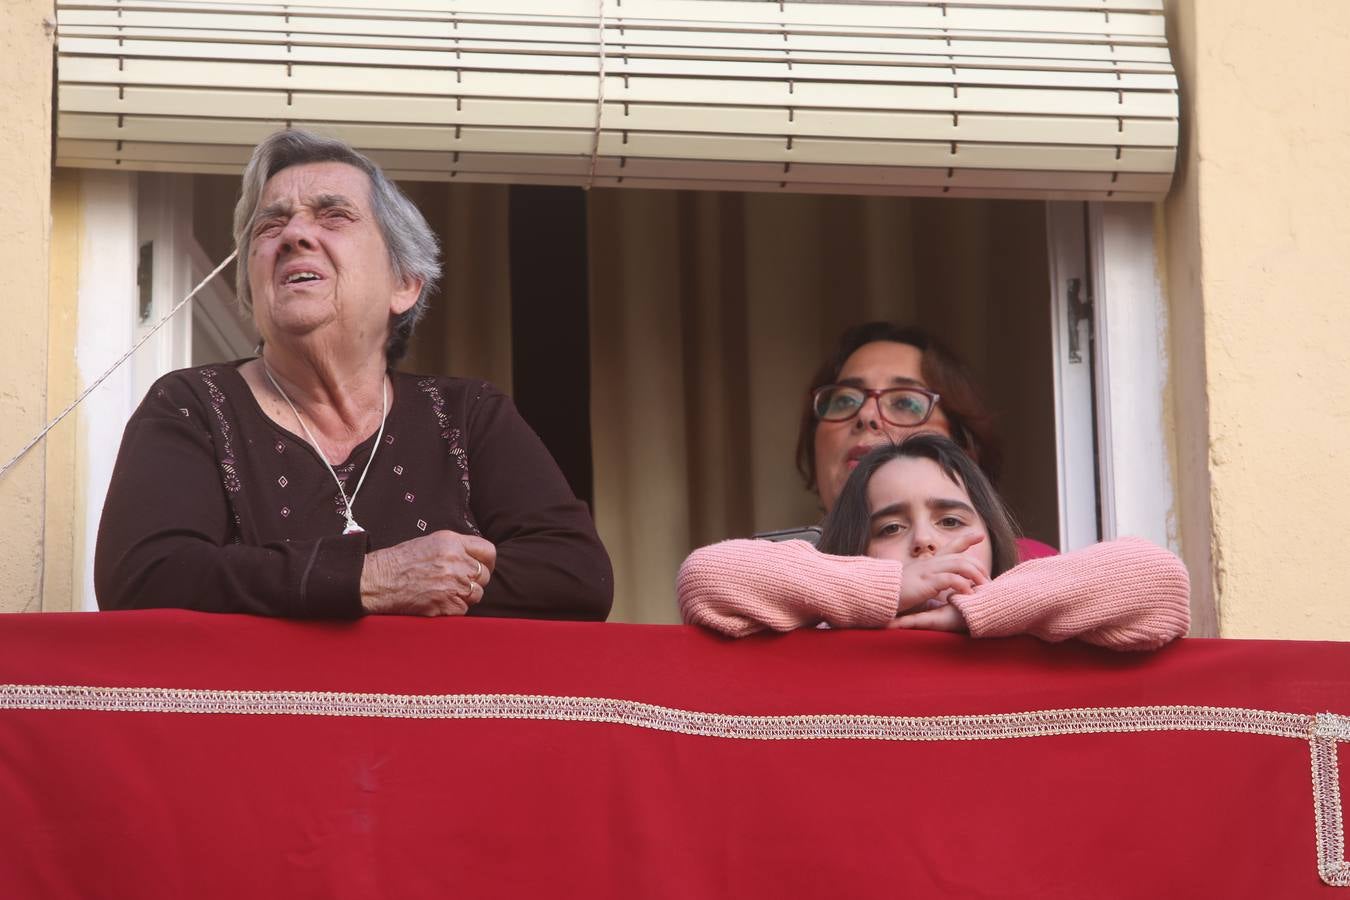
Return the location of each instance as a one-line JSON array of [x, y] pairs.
[[467, 330], [709, 311]]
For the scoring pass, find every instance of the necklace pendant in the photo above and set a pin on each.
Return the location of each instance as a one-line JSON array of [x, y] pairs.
[[351, 527]]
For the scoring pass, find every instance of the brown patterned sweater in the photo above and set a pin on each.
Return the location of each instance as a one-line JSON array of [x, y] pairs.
[[215, 507]]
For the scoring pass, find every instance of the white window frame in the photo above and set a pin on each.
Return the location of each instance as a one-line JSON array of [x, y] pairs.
[[1119, 480], [1071, 340], [1138, 495], [1114, 479]]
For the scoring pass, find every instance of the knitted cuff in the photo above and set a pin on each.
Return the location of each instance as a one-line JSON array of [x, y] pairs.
[[871, 598], [988, 613]]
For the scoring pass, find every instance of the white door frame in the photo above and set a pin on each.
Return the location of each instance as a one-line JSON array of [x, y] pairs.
[[164, 218], [107, 305], [119, 212]]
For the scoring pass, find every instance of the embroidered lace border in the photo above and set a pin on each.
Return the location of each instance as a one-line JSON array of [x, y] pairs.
[[1323, 731]]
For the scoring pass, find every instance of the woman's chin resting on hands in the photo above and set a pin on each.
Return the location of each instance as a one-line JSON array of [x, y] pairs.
[[918, 539]]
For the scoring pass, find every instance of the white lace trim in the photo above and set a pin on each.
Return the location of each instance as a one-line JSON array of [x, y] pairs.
[[1328, 731], [997, 726], [1324, 732]]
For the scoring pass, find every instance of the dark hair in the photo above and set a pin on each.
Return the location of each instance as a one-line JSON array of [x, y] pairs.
[[847, 529], [413, 249], [972, 426]]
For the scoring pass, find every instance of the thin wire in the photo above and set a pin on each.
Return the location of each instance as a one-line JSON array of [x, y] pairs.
[[113, 368], [599, 97]]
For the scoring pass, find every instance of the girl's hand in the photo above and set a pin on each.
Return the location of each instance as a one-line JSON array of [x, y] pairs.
[[937, 577], [944, 618]]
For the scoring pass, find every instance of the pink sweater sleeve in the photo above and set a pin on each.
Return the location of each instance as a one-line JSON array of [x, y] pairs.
[[744, 586], [1126, 594]]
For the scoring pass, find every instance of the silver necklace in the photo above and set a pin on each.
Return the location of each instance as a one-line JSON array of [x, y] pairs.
[[347, 503]]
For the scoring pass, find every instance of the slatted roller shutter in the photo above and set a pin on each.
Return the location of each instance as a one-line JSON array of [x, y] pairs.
[[977, 98]]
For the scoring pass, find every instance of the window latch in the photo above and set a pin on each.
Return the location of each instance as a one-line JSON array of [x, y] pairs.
[[1080, 310]]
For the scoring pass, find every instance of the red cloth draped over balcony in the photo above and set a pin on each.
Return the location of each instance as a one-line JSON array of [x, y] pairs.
[[410, 758]]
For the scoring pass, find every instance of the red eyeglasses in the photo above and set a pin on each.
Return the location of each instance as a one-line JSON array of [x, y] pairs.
[[898, 406]]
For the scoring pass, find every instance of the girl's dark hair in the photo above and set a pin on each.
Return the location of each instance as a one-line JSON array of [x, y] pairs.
[[847, 529], [971, 424]]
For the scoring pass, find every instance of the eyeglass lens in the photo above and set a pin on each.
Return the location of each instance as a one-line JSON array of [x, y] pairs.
[[899, 406]]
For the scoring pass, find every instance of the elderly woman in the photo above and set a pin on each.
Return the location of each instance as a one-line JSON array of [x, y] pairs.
[[314, 481], [882, 384]]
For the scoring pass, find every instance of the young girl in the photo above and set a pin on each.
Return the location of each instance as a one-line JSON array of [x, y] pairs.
[[919, 539]]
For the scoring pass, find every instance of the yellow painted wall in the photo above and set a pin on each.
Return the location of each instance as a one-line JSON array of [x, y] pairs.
[[26, 28], [1258, 244], [58, 573], [1181, 257]]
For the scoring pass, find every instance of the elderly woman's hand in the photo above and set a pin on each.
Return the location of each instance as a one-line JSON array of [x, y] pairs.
[[441, 574]]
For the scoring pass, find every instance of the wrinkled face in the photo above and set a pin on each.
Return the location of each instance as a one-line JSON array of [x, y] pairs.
[[839, 445], [917, 511], [318, 263]]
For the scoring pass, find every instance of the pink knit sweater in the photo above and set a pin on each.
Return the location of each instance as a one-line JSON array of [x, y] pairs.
[[1126, 594]]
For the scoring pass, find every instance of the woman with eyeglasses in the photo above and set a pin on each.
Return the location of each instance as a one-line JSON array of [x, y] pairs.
[[883, 383], [917, 537]]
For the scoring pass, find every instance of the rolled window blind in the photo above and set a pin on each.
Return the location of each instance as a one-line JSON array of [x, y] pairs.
[[976, 98]]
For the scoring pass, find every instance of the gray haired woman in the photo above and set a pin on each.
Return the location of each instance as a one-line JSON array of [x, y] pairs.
[[313, 480]]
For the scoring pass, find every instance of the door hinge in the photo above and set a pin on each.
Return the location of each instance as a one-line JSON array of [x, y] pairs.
[[1080, 309], [145, 280]]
